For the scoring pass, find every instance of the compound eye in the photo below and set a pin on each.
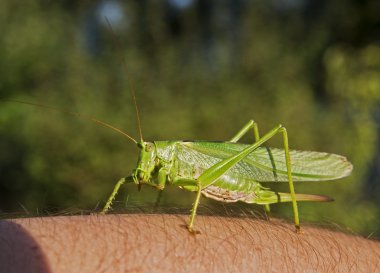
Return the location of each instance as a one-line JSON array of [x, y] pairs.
[[148, 147]]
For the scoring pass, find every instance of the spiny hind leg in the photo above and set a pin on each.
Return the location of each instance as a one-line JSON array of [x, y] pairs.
[[236, 158], [282, 129], [290, 178], [250, 125], [212, 174]]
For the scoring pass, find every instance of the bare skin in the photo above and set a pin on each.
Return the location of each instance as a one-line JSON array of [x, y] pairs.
[[161, 243]]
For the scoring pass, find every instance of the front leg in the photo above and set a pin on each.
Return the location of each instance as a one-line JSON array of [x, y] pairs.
[[114, 192]]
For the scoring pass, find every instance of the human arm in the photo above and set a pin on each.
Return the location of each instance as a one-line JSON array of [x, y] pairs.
[[161, 243]]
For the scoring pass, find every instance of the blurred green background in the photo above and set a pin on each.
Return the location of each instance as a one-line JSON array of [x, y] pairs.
[[201, 69]]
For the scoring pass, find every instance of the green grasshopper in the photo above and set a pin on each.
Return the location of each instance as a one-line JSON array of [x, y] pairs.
[[231, 172], [227, 171]]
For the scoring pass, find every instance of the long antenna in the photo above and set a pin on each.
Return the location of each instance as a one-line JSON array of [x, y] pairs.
[[130, 80], [105, 124]]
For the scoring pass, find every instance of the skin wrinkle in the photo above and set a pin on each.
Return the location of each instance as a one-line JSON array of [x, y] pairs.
[[164, 230], [219, 249], [97, 242], [291, 254], [259, 233], [364, 250], [301, 254], [197, 241], [277, 246], [49, 235], [226, 240], [7, 244], [201, 255], [344, 257], [355, 262], [105, 241], [168, 235], [369, 249], [255, 245], [240, 239], [18, 240], [288, 256], [131, 240], [377, 263], [214, 256], [157, 228], [57, 251], [211, 231], [307, 253], [138, 234], [112, 234], [141, 257], [78, 249], [340, 258], [321, 261], [122, 239], [119, 229], [250, 237], [336, 257], [316, 256], [222, 243], [265, 238], [192, 256], [296, 253], [231, 234]]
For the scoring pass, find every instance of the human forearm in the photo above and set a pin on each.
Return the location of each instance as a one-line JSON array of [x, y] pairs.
[[161, 243]]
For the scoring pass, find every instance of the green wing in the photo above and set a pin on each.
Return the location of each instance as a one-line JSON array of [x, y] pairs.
[[268, 164]]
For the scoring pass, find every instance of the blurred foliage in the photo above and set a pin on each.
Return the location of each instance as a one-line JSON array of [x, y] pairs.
[[201, 70]]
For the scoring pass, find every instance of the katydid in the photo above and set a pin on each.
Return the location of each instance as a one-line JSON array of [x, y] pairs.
[[231, 172], [228, 171]]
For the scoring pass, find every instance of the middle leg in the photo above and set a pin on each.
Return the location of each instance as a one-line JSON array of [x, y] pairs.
[[250, 125]]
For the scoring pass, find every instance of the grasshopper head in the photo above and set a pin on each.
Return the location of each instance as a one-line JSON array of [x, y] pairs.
[[146, 163]]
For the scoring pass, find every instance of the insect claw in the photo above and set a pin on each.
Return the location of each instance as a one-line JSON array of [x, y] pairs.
[[298, 229], [192, 231]]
